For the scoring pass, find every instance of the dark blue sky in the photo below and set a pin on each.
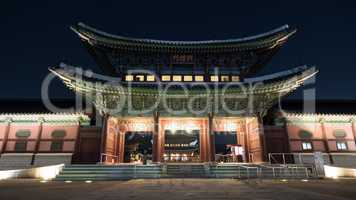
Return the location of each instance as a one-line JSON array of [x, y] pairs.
[[35, 35]]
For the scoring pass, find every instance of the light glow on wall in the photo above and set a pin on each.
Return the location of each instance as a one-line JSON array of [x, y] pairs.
[[8, 174], [188, 126], [43, 173], [230, 126], [49, 172], [336, 172]]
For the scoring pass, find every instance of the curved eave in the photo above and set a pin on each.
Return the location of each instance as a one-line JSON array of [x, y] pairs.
[[280, 85], [265, 40]]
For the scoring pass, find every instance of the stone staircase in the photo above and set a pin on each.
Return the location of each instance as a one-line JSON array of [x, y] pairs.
[[288, 172], [186, 171], [109, 172], [233, 171], [125, 172], [259, 171]]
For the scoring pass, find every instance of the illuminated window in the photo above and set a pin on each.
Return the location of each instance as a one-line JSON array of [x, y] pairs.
[[307, 146], [225, 78], [129, 78], [140, 78], [177, 78], [150, 78], [199, 78], [341, 145], [235, 78], [188, 78], [166, 78], [214, 78]]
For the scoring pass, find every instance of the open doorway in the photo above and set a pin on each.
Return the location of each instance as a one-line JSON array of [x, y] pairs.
[[138, 147], [182, 146], [227, 148]]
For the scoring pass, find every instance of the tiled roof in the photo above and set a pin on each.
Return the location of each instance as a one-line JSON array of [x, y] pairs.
[[287, 80], [44, 117], [264, 40], [318, 117]]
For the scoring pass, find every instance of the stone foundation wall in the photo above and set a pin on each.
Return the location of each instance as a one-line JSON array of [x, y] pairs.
[[15, 161], [309, 159], [45, 159], [344, 160]]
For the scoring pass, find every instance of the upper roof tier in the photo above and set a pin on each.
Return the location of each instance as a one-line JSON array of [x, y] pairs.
[[244, 56], [268, 39]]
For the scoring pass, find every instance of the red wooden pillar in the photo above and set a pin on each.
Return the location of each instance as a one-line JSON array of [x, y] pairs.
[[262, 138], [120, 146], [38, 141], [207, 132], [6, 137], [203, 146], [353, 127], [325, 141], [155, 138], [246, 141], [211, 136], [160, 140], [121, 128], [104, 134]]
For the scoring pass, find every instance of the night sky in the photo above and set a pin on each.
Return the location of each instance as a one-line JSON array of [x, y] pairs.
[[35, 35]]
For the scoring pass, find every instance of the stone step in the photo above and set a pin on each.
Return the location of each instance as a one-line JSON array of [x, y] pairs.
[[124, 172], [111, 169]]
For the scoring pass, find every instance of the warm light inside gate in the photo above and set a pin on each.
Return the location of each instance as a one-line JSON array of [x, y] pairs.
[[230, 126], [187, 126]]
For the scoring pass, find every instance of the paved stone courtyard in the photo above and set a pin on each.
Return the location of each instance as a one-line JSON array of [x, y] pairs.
[[171, 189]]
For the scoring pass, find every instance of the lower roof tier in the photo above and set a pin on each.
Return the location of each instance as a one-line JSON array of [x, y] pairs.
[[252, 96]]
